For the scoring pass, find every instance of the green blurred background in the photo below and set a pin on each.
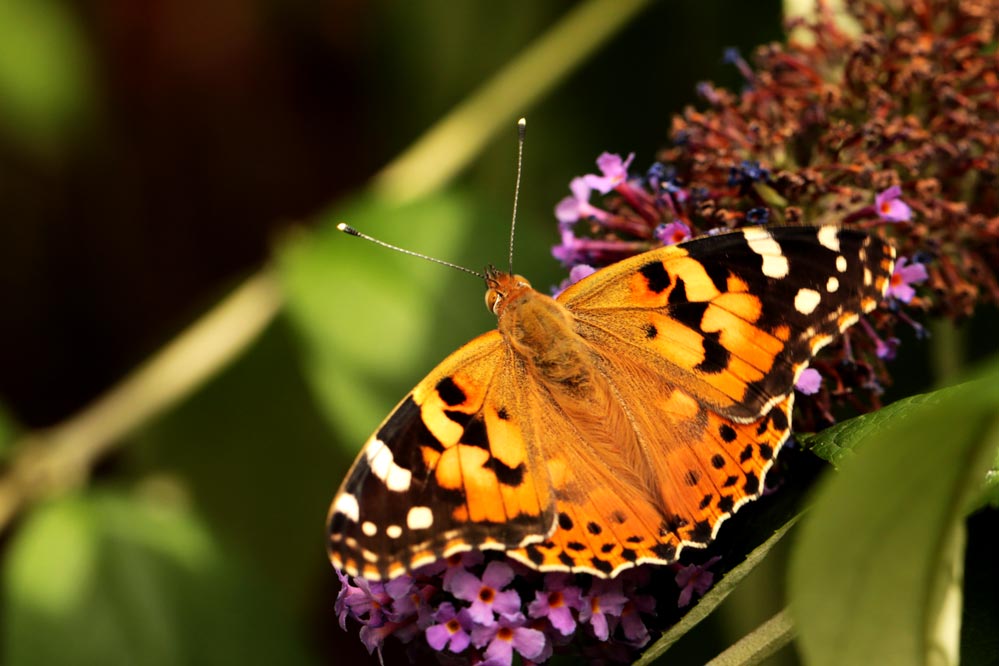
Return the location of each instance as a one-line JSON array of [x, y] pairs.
[[156, 155]]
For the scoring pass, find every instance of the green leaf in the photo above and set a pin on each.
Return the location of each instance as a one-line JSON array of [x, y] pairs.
[[872, 576], [7, 433], [837, 444], [45, 70], [759, 645], [371, 321], [105, 579]]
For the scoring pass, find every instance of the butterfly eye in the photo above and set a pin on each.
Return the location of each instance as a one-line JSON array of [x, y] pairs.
[[493, 299]]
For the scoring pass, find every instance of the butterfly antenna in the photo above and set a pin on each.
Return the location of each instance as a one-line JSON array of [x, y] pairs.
[[351, 231], [521, 132]]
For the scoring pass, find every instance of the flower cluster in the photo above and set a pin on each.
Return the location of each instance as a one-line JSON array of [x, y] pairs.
[[487, 608], [892, 131]]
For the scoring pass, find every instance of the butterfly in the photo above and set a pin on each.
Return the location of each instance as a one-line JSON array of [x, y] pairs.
[[615, 424]]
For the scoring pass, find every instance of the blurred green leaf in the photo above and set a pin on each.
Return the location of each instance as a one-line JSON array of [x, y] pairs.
[[105, 579], [367, 316], [875, 562], [253, 452], [7, 433], [45, 70]]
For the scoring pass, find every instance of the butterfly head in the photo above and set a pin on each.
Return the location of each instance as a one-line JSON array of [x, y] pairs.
[[500, 285]]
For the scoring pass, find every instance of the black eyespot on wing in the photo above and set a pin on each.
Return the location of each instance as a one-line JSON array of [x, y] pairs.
[[716, 357], [534, 554], [656, 276], [602, 566], [508, 476], [450, 393], [779, 419], [679, 294], [700, 533], [475, 434]]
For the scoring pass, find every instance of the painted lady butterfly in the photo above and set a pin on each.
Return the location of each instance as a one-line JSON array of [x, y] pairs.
[[615, 424]]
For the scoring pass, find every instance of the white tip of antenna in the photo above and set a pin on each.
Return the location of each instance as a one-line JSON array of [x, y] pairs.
[[522, 122], [345, 228]]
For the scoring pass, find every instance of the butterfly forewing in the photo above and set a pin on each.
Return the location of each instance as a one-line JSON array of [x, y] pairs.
[[736, 316], [448, 470], [618, 427]]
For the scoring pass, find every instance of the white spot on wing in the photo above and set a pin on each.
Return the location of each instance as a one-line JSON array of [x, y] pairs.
[[806, 300], [419, 518], [393, 531], [369, 528], [832, 285], [829, 237], [841, 263], [382, 463], [762, 243], [347, 505]]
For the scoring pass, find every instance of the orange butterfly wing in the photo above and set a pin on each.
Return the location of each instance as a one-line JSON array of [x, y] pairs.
[[448, 470], [617, 427]]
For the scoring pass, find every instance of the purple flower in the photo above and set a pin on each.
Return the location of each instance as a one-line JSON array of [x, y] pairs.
[[450, 565], [452, 629], [604, 599], [732, 56], [576, 207], [758, 215], [373, 636], [631, 621], [672, 233], [903, 277], [694, 578], [504, 637], [746, 174], [486, 594], [577, 273], [883, 349], [809, 381], [890, 207], [556, 602], [614, 170], [364, 601]]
